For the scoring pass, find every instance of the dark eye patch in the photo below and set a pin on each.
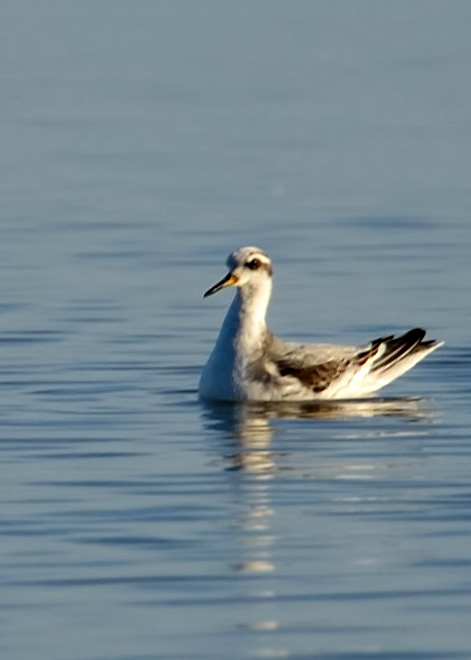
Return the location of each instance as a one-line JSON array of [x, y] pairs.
[[254, 264]]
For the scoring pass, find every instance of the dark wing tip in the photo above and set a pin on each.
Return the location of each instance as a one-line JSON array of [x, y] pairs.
[[397, 348]]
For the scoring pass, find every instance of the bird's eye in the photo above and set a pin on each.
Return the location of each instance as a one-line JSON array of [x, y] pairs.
[[254, 264]]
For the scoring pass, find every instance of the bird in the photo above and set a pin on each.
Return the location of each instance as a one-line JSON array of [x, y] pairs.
[[248, 363]]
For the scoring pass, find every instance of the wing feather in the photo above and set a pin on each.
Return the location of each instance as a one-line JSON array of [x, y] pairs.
[[317, 377], [320, 366]]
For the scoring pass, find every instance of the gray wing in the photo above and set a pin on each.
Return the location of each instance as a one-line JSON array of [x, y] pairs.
[[319, 366], [318, 377], [315, 366]]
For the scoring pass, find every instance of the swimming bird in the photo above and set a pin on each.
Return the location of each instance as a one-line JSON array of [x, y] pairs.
[[248, 363]]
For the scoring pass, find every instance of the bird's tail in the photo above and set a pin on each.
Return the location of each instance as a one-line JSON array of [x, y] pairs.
[[390, 357]]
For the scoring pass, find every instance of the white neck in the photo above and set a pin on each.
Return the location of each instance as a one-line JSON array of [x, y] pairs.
[[240, 342], [245, 325]]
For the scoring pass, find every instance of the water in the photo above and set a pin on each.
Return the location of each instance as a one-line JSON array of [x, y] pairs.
[[141, 142]]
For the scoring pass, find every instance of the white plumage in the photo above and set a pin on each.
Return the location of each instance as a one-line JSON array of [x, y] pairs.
[[249, 364]]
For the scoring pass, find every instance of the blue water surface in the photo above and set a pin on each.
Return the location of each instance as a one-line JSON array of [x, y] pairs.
[[141, 143]]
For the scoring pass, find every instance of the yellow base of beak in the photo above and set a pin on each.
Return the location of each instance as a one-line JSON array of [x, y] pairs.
[[229, 280]]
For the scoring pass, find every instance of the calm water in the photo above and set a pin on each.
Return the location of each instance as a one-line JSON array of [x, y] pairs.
[[141, 142]]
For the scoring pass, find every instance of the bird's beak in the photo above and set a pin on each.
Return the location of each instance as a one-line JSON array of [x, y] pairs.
[[229, 280]]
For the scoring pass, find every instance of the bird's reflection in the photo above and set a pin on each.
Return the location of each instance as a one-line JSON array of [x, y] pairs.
[[250, 428], [245, 433]]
